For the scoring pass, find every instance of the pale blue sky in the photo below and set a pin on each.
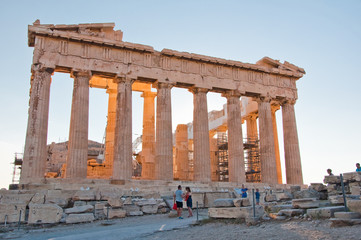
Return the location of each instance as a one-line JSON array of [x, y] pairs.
[[323, 37]]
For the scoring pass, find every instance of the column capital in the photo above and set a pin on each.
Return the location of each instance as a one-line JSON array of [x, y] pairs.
[[275, 107], [75, 73], [41, 68], [290, 101], [148, 94], [159, 85], [123, 79], [111, 91], [196, 90], [231, 93], [262, 99], [252, 116]]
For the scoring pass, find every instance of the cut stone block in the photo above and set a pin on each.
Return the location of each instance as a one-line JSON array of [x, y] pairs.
[[305, 203], [292, 212], [284, 196], [16, 198], [115, 213], [270, 198], [332, 179], [197, 197], [44, 213], [115, 202], [227, 202], [150, 209], [84, 195], [354, 205], [356, 190], [12, 211], [57, 197], [79, 218], [235, 212], [318, 187], [347, 215], [326, 212], [307, 193], [38, 198], [79, 203], [277, 208], [352, 177], [143, 202], [109, 192], [79, 209], [210, 197]]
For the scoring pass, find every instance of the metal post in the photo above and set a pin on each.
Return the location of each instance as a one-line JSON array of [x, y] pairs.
[[343, 193], [19, 220], [6, 219], [197, 211], [253, 204]]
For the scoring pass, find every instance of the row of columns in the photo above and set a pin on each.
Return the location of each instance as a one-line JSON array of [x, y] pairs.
[[121, 158]]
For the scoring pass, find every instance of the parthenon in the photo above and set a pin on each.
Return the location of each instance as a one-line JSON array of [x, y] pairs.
[[95, 56]]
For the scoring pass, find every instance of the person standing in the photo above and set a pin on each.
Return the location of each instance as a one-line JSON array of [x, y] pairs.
[[178, 199], [244, 191], [358, 168], [188, 199]]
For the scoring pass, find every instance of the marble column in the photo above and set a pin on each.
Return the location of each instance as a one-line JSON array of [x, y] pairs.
[[181, 166], [110, 131], [35, 153], [236, 171], [123, 153], [274, 108], [292, 150], [202, 161], [267, 145], [252, 129], [76, 164], [148, 136], [164, 135]]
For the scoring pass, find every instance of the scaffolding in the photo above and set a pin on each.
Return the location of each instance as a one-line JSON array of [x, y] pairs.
[[251, 158], [18, 161]]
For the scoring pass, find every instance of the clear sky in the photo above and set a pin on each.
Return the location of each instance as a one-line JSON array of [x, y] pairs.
[[323, 37]]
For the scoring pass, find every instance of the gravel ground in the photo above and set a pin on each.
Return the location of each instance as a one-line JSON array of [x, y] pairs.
[[277, 230]]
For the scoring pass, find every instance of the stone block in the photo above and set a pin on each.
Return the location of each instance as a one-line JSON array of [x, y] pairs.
[[80, 209], [354, 205], [109, 192], [307, 193], [115, 212], [143, 202], [332, 179], [352, 177], [235, 212], [347, 215], [356, 190], [45, 213], [127, 201], [132, 210], [226, 202], [277, 208], [354, 184], [305, 203], [318, 187], [270, 198], [100, 205], [12, 211], [84, 195], [245, 202], [149, 195], [292, 212], [295, 188], [150, 209], [284, 196], [79, 203], [210, 197], [38, 198], [198, 197], [79, 218], [325, 212], [17, 198], [57, 197], [115, 202]]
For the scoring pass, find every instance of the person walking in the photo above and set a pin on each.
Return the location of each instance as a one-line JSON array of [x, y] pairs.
[[257, 196], [178, 199], [188, 198]]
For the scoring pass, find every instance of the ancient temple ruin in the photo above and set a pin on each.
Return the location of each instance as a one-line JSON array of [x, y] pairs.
[[95, 56]]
